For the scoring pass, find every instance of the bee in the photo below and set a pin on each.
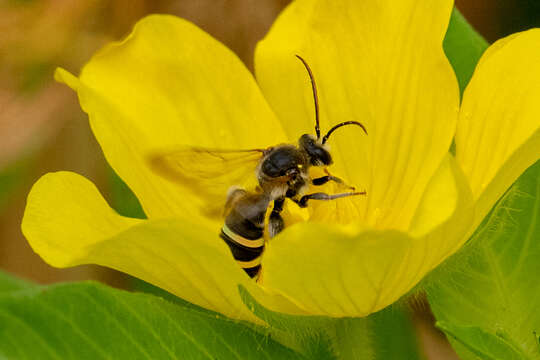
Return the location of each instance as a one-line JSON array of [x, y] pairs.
[[282, 172]]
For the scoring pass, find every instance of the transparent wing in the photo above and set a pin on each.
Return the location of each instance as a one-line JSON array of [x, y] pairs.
[[209, 173]]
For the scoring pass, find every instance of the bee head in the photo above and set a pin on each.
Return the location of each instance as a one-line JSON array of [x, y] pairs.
[[317, 152]]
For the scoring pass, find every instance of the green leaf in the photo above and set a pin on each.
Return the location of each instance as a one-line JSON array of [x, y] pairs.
[[463, 47], [482, 343], [493, 285], [388, 334], [9, 283], [92, 321], [393, 334], [122, 198], [308, 334]]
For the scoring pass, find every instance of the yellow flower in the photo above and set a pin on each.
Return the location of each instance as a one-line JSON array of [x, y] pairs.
[[379, 62]]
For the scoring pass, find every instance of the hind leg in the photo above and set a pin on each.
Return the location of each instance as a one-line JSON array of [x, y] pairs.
[[323, 196], [275, 222], [329, 177]]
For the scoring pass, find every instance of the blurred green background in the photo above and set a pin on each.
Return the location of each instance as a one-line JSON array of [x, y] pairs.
[[42, 128]]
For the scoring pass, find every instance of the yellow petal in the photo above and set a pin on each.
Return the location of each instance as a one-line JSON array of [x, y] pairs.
[[498, 133], [380, 63], [169, 83], [343, 272], [332, 273], [65, 214], [68, 223], [440, 199], [443, 219]]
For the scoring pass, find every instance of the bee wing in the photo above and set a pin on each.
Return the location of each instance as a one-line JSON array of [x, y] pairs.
[[209, 173]]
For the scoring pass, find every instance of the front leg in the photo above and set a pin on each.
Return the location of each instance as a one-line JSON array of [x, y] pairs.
[[329, 177], [323, 196], [275, 221]]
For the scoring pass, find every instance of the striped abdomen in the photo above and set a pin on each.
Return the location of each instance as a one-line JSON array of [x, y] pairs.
[[245, 237], [244, 228], [246, 251]]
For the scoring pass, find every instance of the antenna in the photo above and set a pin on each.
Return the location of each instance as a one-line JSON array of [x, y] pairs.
[[340, 125], [315, 98]]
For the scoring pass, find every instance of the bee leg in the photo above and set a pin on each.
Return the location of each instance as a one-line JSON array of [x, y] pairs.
[[329, 177], [275, 222], [324, 179], [323, 196]]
